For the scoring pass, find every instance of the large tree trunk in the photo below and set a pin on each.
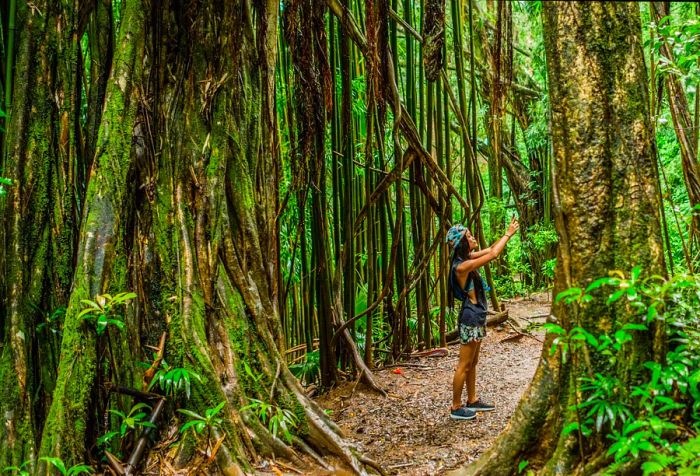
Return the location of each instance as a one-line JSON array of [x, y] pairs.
[[607, 216], [39, 219], [180, 207]]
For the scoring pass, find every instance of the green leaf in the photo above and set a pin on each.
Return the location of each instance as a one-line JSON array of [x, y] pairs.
[[190, 413], [522, 465], [616, 295], [600, 282], [554, 329], [650, 467], [571, 427], [86, 311], [645, 445], [57, 463], [189, 425], [634, 327], [139, 406], [570, 295], [92, 304], [213, 411], [79, 469]]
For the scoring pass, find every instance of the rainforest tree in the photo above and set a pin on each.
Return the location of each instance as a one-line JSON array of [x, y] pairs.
[[180, 207], [606, 212]]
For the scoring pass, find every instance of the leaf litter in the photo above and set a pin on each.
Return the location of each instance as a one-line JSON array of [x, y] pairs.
[[410, 432]]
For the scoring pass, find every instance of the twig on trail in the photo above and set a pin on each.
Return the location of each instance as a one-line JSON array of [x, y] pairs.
[[401, 465], [370, 462], [286, 466], [407, 365], [352, 392], [439, 352], [521, 333], [516, 336]]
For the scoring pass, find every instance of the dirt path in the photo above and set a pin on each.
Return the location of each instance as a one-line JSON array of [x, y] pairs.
[[410, 433]]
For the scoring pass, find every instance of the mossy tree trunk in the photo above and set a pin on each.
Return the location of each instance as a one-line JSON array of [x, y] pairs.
[[40, 216], [180, 206], [607, 218]]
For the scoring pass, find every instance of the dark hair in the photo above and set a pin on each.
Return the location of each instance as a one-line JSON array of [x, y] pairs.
[[462, 252]]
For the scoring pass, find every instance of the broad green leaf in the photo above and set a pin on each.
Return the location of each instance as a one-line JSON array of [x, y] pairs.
[[56, 462]]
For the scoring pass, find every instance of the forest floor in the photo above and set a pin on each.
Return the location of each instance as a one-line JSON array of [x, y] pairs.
[[410, 432]]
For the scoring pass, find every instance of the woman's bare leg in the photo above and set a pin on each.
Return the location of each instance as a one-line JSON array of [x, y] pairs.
[[467, 354], [471, 375]]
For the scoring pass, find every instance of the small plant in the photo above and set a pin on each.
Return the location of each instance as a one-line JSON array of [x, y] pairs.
[[61, 466], [172, 380], [4, 182], [307, 371], [198, 423], [105, 440], [18, 470], [52, 322], [102, 311], [522, 465], [276, 418], [136, 418], [548, 268]]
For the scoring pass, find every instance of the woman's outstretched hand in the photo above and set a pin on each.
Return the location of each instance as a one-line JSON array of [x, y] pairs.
[[513, 227]]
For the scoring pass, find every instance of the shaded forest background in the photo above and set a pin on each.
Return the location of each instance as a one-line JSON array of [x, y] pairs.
[[297, 190]]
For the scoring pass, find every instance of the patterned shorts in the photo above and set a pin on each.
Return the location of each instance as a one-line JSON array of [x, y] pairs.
[[469, 333], [472, 323]]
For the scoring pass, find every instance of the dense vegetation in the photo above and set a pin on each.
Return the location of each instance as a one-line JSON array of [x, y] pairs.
[[211, 209]]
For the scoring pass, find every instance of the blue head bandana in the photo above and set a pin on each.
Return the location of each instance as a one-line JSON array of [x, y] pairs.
[[455, 234]]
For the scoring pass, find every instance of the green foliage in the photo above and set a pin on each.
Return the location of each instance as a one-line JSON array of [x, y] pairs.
[[276, 418], [508, 287], [102, 311], [105, 440], [645, 422], [540, 237], [683, 38], [198, 423], [4, 182], [548, 268], [308, 371], [61, 466], [18, 470], [136, 418], [522, 465], [52, 322], [173, 380]]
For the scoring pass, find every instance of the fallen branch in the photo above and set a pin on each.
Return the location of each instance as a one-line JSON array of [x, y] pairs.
[[143, 441]]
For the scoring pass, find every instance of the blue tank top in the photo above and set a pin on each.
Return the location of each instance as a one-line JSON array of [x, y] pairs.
[[459, 292], [463, 293]]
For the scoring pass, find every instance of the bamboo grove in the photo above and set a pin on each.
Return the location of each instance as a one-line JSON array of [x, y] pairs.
[[271, 183], [406, 123]]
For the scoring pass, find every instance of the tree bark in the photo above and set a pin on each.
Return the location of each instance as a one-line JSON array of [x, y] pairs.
[[180, 207], [607, 215], [39, 218]]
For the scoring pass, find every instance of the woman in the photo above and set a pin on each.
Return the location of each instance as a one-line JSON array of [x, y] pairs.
[[467, 286]]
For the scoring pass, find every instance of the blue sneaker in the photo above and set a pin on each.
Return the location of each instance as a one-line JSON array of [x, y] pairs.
[[462, 413], [479, 406]]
